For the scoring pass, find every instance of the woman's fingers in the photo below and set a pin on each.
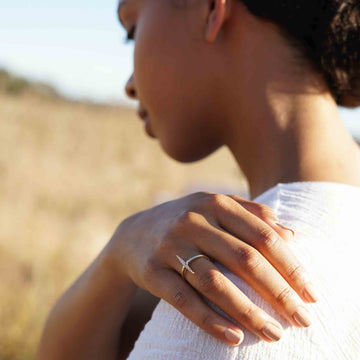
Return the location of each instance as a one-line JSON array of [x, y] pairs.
[[236, 220], [247, 263], [173, 289], [210, 282], [267, 214]]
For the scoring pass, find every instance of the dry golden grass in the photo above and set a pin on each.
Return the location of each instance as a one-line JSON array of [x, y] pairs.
[[69, 173]]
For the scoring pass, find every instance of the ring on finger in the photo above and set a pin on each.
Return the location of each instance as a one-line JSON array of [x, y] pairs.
[[185, 264]]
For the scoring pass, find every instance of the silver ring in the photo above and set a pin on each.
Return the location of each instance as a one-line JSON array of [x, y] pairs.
[[185, 264]]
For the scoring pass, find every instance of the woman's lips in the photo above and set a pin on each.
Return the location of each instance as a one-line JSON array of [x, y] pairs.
[[145, 117], [142, 113]]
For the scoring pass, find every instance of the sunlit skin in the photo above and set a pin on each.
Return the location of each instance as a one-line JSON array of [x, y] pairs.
[[232, 80], [210, 74]]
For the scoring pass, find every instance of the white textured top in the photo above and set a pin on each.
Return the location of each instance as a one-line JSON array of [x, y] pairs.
[[326, 218]]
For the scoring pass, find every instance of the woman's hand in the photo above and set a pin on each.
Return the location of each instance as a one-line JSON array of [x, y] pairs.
[[241, 235]]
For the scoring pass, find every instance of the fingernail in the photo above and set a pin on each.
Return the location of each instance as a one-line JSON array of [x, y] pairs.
[[233, 336], [302, 317], [272, 331], [310, 293], [286, 228]]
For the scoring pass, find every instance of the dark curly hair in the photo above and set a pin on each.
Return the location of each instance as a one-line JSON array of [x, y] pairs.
[[327, 32]]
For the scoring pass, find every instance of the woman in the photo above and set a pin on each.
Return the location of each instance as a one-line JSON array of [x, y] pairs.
[[264, 79]]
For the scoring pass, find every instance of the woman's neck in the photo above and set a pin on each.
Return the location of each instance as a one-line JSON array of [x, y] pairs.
[[278, 117], [294, 138]]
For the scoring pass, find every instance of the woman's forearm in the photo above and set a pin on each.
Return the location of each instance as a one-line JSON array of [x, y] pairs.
[[86, 321]]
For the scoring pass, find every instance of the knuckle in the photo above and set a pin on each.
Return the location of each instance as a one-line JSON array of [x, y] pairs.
[[248, 258], [295, 272], [187, 218], [248, 314], [201, 197], [284, 296], [265, 211], [235, 197], [179, 299], [202, 194], [269, 239], [210, 282], [182, 223], [206, 321], [217, 200]]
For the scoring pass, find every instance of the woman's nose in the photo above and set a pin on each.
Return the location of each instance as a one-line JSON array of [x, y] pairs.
[[130, 88]]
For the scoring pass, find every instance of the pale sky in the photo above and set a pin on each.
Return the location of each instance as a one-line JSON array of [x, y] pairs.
[[77, 46]]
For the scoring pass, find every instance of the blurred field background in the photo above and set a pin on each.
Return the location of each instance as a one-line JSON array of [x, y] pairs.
[[69, 173]]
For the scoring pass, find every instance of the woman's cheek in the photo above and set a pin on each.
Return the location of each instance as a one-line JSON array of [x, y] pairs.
[[155, 78]]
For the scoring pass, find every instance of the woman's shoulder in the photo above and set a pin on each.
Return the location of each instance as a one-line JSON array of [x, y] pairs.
[[308, 191], [314, 206], [322, 215]]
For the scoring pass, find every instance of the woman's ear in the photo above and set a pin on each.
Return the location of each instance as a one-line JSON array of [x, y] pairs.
[[218, 10]]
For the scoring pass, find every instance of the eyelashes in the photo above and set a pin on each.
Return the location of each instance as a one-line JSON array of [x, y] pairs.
[[130, 35]]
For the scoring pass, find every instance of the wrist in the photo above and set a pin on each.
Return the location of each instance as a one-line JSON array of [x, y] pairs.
[[112, 265]]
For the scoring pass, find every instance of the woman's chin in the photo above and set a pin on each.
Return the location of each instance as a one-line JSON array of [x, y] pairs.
[[185, 152]]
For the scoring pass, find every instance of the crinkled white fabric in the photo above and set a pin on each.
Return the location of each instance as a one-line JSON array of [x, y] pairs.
[[326, 218]]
